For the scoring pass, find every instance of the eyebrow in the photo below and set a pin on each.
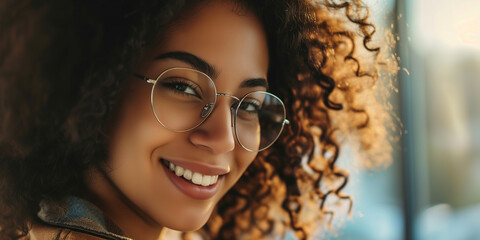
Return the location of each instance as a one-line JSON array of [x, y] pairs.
[[255, 82], [196, 62], [203, 66]]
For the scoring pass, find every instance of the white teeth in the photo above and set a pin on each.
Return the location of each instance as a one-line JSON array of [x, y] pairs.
[[214, 179], [194, 177], [197, 178], [187, 174], [179, 171], [206, 180]]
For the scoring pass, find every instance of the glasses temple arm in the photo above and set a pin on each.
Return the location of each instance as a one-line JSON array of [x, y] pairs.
[[148, 80]]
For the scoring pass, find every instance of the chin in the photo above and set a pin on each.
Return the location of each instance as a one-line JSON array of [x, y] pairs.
[[187, 218], [186, 225]]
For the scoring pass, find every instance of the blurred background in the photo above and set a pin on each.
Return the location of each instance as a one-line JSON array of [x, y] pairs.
[[432, 188]]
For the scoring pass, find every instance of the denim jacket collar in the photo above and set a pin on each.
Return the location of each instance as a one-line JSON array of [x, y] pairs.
[[79, 215]]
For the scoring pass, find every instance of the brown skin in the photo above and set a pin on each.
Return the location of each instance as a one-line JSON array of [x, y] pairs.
[[135, 191]]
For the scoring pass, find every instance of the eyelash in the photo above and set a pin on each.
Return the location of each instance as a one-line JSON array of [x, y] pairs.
[[251, 103], [171, 85]]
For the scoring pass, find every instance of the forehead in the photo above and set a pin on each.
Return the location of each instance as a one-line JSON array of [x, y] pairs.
[[233, 42]]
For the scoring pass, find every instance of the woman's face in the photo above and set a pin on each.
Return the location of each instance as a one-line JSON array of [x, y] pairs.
[[235, 46]]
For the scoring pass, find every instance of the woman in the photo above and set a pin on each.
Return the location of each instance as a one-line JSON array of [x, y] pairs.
[[121, 121]]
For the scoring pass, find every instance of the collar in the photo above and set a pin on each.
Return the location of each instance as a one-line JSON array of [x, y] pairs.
[[79, 215]]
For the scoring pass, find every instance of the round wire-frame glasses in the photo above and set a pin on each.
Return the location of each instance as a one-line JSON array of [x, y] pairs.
[[208, 107]]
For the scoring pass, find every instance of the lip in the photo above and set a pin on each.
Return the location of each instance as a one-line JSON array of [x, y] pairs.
[[199, 167], [190, 189]]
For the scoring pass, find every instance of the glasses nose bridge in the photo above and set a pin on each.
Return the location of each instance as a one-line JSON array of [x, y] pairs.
[[208, 108], [228, 95]]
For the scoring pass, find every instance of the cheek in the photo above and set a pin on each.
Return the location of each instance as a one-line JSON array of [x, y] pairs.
[[248, 158], [135, 134], [136, 129], [243, 159]]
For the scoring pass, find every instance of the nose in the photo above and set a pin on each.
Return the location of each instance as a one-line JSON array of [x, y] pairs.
[[216, 133]]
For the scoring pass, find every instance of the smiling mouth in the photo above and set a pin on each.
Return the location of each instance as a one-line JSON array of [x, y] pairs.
[[191, 176]]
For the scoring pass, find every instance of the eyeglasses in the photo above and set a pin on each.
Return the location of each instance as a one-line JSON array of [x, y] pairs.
[[183, 98]]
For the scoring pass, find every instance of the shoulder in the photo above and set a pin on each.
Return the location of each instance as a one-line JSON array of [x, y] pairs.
[[73, 218], [45, 232]]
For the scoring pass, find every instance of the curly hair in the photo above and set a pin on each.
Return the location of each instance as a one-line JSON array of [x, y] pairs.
[[56, 104]]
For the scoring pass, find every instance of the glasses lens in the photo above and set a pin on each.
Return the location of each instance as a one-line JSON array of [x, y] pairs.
[[182, 98], [259, 121]]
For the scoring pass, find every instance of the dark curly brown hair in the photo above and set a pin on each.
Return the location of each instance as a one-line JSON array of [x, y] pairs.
[[64, 65]]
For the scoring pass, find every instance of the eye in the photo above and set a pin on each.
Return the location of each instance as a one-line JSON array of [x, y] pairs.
[[181, 86], [250, 105]]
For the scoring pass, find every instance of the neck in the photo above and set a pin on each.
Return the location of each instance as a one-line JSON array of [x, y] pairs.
[[115, 205]]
